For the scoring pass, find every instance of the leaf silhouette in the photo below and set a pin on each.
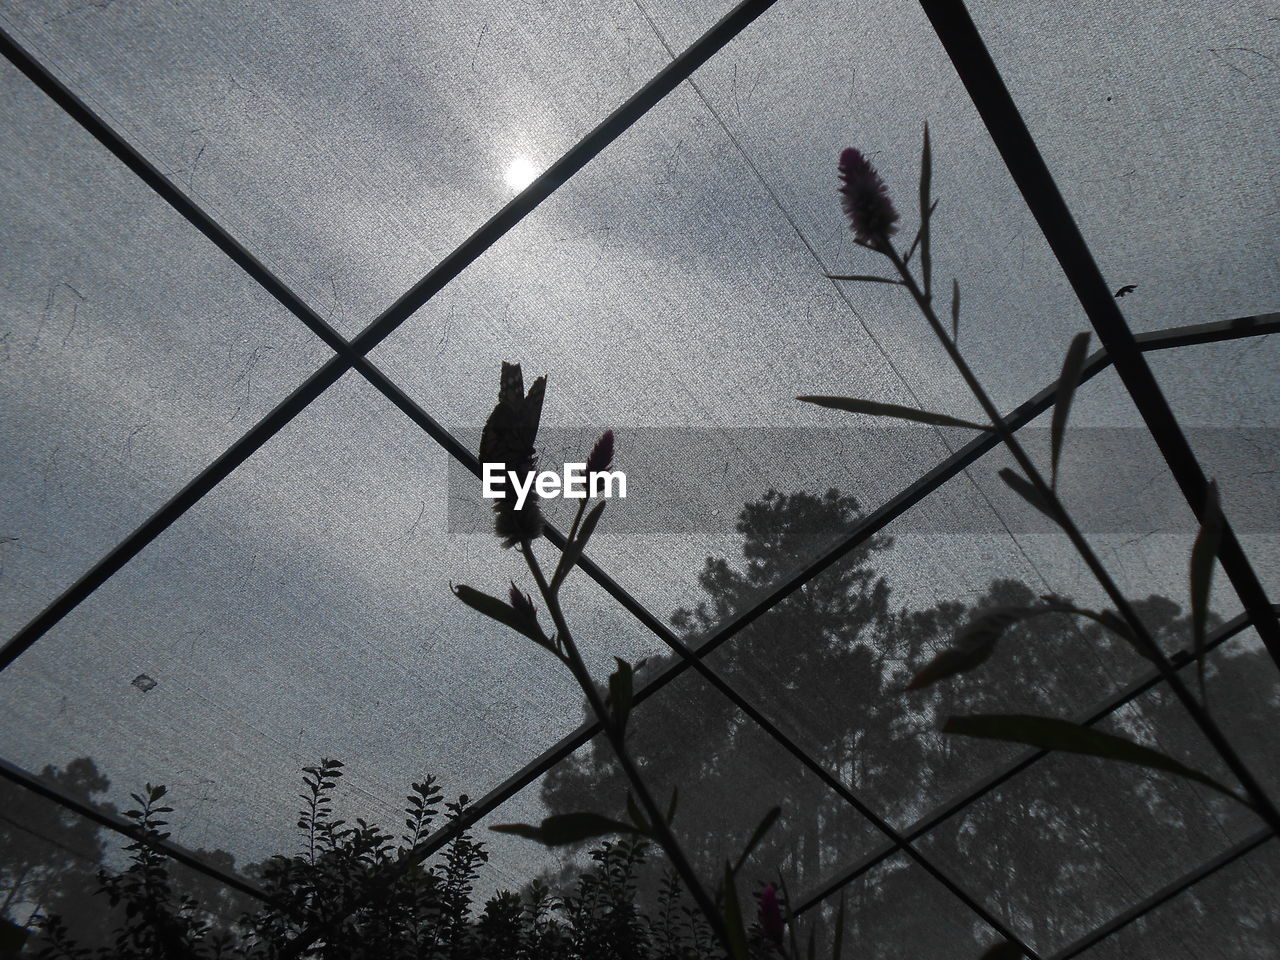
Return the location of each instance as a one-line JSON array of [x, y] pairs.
[[1050, 733], [1004, 951], [788, 917], [955, 311], [563, 828], [503, 612], [765, 825], [1204, 554], [734, 928], [621, 686], [874, 409], [1072, 368], [973, 645], [1027, 491], [837, 946], [1109, 620], [573, 550], [926, 183], [636, 814], [862, 277]]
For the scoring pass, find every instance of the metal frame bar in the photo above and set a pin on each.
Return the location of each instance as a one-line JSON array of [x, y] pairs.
[[112, 821], [352, 355], [349, 354], [969, 55]]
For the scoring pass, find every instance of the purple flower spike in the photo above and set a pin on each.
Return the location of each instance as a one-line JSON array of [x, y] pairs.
[[601, 454], [771, 922], [866, 199]]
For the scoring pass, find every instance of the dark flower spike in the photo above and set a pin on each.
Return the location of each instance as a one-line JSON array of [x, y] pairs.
[[771, 922], [866, 199], [516, 526], [508, 438], [601, 457]]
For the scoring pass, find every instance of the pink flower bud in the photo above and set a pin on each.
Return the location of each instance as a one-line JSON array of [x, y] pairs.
[[601, 454], [771, 922], [866, 199]]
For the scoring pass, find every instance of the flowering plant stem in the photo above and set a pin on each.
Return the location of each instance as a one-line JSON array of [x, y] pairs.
[[615, 732], [1260, 802]]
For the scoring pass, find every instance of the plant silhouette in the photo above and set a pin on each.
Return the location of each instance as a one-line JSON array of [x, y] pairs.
[[830, 664]]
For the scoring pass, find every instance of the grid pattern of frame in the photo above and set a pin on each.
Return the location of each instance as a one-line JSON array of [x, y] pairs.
[[1121, 349]]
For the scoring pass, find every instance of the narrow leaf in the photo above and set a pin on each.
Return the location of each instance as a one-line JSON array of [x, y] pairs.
[[1109, 620], [948, 663], [573, 550], [864, 278], [503, 612], [621, 686], [1024, 488], [733, 925], [765, 825], [926, 211], [1204, 554], [671, 807], [874, 409], [566, 828], [1004, 951], [635, 813], [837, 948], [1072, 368], [973, 645], [1050, 733], [955, 311], [912, 249], [788, 916]]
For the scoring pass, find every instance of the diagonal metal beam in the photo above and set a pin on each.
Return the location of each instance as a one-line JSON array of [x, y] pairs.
[[113, 821], [348, 354], [147, 172], [968, 53], [981, 788]]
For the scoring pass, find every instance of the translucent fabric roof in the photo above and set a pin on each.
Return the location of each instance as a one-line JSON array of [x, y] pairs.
[[262, 265]]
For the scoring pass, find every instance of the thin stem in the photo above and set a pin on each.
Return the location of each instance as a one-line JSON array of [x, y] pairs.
[[582, 508], [1261, 804], [615, 734]]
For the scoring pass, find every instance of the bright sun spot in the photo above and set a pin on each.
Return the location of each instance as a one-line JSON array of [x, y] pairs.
[[520, 173]]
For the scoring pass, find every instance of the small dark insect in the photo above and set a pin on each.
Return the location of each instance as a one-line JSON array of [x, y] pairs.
[[1126, 289], [144, 683]]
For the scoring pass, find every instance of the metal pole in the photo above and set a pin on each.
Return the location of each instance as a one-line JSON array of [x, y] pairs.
[[963, 43]]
